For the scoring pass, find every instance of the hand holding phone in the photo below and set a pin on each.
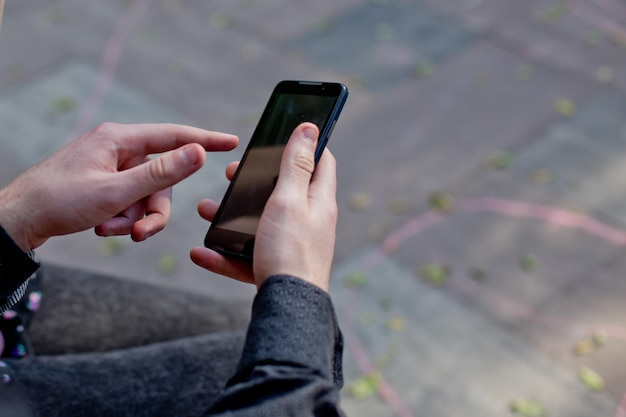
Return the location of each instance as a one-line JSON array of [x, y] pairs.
[[296, 233], [235, 224]]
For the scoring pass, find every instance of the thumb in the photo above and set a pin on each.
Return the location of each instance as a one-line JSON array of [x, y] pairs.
[[298, 161], [162, 172]]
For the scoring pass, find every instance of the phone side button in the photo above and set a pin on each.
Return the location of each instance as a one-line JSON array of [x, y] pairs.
[[332, 127]]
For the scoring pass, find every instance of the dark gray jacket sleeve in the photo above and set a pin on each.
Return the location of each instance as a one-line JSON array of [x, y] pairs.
[[291, 363], [16, 267]]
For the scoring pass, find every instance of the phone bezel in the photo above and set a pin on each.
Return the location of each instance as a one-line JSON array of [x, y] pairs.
[[241, 245]]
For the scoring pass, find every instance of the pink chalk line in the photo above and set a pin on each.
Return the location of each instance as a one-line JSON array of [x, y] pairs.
[[365, 365], [110, 60], [560, 217], [549, 214], [621, 409], [606, 25], [612, 8]]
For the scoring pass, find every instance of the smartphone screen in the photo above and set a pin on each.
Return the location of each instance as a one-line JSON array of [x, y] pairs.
[[292, 102]]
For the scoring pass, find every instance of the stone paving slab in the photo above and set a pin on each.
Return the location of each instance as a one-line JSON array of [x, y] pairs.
[[271, 20], [438, 357], [570, 221], [383, 46], [576, 164], [438, 132], [592, 307], [578, 37]]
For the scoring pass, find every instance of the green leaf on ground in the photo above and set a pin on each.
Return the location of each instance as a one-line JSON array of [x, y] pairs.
[[441, 201], [528, 262], [556, 12], [112, 246], [425, 68], [396, 324], [593, 38], [64, 104], [584, 347], [219, 20], [356, 280], [360, 201], [599, 338], [167, 263], [591, 379], [501, 160], [365, 386], [564, 107], [434, 273], [589, 344], [325, 26], [526, 407]]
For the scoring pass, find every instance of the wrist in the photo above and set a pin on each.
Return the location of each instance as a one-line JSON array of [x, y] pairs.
[[20, 239], [12, 225]]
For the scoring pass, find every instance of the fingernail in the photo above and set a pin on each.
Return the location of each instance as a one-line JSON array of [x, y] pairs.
[[310, 133], [189, 155]]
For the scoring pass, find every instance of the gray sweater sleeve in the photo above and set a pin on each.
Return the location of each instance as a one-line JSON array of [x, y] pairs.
[[291, 363]]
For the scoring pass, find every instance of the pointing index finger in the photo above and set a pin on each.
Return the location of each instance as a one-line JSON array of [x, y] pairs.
[[149, 139]]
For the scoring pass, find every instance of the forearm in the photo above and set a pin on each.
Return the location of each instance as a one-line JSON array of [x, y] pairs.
[[291, 364]]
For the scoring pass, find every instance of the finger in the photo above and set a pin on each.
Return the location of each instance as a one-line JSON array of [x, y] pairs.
[[215, 262], [158, 207], [324, 182], [207, 209], [230, 170], [159, 173], [148, 139], [122, 223], [298, 162]]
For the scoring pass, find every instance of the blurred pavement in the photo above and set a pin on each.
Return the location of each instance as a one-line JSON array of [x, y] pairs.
[[481, 162]]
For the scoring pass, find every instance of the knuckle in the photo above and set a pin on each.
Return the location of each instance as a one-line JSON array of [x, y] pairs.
[[158, 169], [106, 128], [304, 162], [278, 202]]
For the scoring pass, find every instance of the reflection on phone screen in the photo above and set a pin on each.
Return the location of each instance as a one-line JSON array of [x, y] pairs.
[[259, 170]]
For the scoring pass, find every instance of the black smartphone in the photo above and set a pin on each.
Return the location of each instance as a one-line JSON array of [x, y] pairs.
[[234, 227]]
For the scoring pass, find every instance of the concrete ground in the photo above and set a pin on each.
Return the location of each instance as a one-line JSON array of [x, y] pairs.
[[482, 168]]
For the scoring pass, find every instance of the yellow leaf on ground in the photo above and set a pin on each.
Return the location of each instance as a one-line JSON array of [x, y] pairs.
[[564, 107], [591, 379], [360, 201], [365, 386]]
